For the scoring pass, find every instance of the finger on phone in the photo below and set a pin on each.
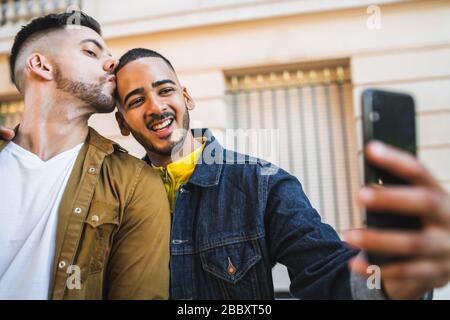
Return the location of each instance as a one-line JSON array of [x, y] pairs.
[[430, 270], [405, 200], [388, 242], [399, 163]]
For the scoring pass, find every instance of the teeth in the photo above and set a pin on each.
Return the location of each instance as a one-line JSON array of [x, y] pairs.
[[162, 125]]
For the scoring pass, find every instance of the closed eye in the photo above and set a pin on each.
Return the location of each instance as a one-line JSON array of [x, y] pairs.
[[90, 53]]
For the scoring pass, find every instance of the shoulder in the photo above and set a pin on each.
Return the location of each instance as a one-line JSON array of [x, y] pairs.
[[249, 172], [141, 183], [116, 158], [121, 169], [121, 162], [251, 165]]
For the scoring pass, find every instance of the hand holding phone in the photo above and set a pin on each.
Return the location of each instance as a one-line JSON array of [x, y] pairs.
[[408, 224], [388, 117]]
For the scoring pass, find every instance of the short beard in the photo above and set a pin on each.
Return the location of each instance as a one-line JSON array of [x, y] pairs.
[[174, 146], [90, 94]]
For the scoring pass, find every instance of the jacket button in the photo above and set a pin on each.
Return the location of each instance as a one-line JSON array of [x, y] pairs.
[[231, 269], [91, 170], [61, 264], [95, 219], [77, 210]]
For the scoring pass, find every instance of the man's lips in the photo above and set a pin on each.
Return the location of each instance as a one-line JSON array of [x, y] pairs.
[[162, 128], [111, 78], [110, 81]]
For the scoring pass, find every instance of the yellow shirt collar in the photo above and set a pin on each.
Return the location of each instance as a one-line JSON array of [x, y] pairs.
[[179, 172]]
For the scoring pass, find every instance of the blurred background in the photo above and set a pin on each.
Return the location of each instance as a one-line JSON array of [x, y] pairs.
[[295, 66]]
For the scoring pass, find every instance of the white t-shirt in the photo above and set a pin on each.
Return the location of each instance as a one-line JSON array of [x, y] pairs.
[[30, 195]]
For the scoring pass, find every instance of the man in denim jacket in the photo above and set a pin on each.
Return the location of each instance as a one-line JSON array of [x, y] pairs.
[[234, 217]]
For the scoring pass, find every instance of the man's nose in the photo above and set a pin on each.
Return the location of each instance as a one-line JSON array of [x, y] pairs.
[[110, 65], [155, 106]]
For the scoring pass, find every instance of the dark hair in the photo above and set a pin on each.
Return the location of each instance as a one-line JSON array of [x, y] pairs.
[[47, 23], [138, 53]]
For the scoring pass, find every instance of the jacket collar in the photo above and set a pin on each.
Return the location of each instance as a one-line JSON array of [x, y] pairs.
[[98, 141], [209, 166]]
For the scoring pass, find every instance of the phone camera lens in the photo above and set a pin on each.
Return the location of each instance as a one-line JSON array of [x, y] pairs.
[[374, 116]]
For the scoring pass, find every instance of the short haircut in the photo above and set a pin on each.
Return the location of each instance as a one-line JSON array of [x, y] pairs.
[[138, 53], [49, 22]]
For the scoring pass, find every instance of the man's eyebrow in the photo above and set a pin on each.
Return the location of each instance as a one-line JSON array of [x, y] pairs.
[[132, 93], [161, 82]]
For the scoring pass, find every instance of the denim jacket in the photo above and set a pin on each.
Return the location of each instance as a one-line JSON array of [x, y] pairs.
[[236, 218]]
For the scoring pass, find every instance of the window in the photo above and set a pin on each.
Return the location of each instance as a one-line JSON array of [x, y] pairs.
[[311, 107]]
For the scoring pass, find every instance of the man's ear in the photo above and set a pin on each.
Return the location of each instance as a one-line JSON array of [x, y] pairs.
[[122, 124], [190, 104], [40, 66]]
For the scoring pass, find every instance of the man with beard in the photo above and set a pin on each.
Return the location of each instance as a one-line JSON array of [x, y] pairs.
[[79, 217], [234, 216]]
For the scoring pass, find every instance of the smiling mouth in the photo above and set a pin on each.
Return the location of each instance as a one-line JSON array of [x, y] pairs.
[[161, 125]]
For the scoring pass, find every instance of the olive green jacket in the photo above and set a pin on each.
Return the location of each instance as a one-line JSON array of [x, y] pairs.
[[113, 230]]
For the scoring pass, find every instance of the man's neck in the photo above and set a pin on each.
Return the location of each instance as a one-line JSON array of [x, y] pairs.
[[48, 128], [190, 145]]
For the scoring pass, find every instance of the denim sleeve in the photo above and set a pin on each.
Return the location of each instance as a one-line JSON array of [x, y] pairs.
[[316, 259]]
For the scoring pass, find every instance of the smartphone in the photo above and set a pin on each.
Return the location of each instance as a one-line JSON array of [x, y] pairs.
[[388, 117]]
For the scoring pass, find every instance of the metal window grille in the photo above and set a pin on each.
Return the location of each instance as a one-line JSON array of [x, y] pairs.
[[312, 109]]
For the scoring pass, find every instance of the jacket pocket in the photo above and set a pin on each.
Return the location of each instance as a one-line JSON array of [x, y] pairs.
[[101, 222], [101, 214], [233, 270]]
